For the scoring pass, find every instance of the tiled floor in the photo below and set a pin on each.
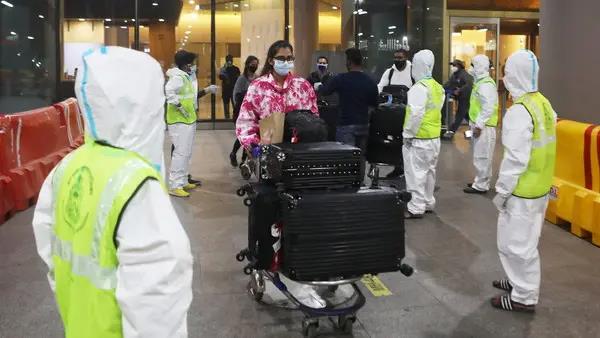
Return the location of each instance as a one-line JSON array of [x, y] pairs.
[[453, 252]]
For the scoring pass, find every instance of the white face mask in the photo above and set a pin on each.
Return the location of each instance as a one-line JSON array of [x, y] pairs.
[[453, 69], [283, 68]]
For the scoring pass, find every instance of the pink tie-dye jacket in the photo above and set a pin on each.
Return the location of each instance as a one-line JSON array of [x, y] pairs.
[[265, 97]]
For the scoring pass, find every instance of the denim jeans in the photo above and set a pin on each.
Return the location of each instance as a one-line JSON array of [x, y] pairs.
[[355, 135]]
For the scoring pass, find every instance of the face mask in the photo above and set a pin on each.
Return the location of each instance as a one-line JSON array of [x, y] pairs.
[[252, 68], [229, 63], [283, 68], [400, 64], [453, 69], [322, 67]]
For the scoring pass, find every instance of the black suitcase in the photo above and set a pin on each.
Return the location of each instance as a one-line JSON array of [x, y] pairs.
[[343, 234], [317, 165], [385, 135], [264, 207]]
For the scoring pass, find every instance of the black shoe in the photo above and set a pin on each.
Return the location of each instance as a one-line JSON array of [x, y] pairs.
[[397, 172], [471, 190], [233, 160], [193, 181], [410, 215]]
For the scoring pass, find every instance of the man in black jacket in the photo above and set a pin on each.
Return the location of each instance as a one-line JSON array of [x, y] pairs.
[[229, 75], [459, 86]]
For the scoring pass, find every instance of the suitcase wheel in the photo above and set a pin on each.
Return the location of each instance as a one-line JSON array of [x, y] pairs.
[[241, 256], [240, 192], [346, 323], [248, 202], [248, 270], [310, 327]]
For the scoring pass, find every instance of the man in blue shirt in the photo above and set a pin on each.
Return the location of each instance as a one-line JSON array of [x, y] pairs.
[[357, 92]]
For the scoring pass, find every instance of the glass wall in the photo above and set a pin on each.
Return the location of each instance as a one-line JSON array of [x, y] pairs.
[[27, 54], [473, 36], [425, 30]]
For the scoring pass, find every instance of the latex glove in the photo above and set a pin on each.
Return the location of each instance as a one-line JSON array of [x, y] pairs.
[[500, 201], [183, 111], [256, 150], [476, 132], [317, 85], [211, 89]]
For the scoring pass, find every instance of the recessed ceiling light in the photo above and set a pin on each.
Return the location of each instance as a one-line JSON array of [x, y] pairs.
[[187, 32], [124, 27], [82, 20], [161, 20], [334, 8], [6, 3], [108, 20], [155, 4], [106, 26], [13, 33], [30, 37], [40, 16], [236, 5], [133, 20], [391, 27], [125, 21]]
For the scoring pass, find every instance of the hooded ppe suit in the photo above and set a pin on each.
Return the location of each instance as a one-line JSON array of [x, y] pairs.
[[422, 128], [119, 259], [483, 114], [525, 178], [181, 90]]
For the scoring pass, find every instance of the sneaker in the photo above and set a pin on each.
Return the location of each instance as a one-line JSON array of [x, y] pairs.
[[449, 134], [193, 181], [233, 160], [189, 186], [410, 215], [471, 190], [179, 193]]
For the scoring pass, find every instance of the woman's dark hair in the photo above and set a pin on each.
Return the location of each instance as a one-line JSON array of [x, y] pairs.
[[249, 60], [183, 58], [275, 47]]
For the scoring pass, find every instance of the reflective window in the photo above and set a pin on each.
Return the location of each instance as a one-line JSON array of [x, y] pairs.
[[27, 54]]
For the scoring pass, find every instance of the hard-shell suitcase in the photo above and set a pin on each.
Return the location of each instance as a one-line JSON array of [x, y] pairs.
[[342, 234], [264, 207], [385, 135], [315, 165]]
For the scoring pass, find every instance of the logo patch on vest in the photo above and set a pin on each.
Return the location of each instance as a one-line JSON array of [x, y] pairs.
[[80, 189]]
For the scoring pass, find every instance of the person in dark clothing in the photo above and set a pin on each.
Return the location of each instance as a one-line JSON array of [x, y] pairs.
[[229, 75], [321, 74], [357, 92], [459, 86], [239, 92]]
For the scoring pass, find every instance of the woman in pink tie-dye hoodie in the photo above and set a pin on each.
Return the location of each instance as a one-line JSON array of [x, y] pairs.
[[276, 90]]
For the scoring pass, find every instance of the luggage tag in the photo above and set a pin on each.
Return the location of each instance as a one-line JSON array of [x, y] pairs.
[[294, 136], [468, 134]]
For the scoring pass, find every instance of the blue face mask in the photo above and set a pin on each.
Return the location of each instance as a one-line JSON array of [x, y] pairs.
[[283, 68]]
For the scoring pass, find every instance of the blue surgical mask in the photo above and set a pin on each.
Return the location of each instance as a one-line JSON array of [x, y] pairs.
[[283, 68]]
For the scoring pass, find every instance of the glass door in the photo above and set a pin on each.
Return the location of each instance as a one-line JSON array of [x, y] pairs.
[[472, 36]]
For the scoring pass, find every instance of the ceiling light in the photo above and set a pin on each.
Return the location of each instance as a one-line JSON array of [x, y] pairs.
[[18, 54], [236, 5], [133, 20], [161, 20], [124, 27], [392, 27], [360, 34], [372, 36], [363, 13], [125, 21], [155, 4], [188, 32], [355, 12], [81, 20], [197, 7], [427, 8], [108, 20], [107, 27], [246, 5], [41, 16], [191, 2], [390, 33], [13, 33], [30, 37], [142, 26], [335, 8], [6, 3]]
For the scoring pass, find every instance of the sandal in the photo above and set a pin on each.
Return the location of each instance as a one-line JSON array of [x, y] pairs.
[[505, 303], [502, 284]]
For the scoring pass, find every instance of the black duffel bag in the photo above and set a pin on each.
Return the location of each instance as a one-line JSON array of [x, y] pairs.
[[304, 126]]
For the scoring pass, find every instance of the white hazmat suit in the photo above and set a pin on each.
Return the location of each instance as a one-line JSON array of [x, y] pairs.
[[420, 155], [483, 146], [154, 275], [182, 135], [520, 220]]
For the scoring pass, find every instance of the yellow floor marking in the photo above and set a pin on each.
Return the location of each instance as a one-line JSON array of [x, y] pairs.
[[376, 286]]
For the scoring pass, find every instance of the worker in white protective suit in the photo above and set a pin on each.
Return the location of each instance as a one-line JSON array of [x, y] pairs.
[[483, 117], [525, 179], [181, 116], [119, 259], [422, 129]]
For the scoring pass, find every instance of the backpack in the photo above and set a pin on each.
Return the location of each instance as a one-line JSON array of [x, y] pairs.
[[304, 126]]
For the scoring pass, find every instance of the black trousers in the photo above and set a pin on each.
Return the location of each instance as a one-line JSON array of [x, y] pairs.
[[461, 113]]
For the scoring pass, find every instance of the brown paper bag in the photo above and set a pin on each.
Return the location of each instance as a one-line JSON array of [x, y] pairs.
[[271, 128]]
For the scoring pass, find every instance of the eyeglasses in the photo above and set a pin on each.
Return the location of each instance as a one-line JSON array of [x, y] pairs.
[[284, 58]]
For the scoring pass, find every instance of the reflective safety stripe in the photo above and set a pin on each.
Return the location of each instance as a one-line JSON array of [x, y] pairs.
[[544, 141], [115, 185], [85, 266], [186, 96]]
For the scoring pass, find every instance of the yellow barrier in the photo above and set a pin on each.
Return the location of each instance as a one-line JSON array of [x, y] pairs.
[[575, 193]]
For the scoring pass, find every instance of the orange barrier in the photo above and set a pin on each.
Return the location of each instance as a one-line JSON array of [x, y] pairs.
[[576, 187], [31, 144]]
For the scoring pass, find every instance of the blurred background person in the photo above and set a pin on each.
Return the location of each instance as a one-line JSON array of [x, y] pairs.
[[459, 87], [228, 75], [239, 92]]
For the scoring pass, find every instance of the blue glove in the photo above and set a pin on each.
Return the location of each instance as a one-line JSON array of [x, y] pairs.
[[256, 150]]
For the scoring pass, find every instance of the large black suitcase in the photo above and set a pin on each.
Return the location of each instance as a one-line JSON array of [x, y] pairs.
[[329, 114], [315, 165], [264, 207], [342, 234], [385, 135]]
